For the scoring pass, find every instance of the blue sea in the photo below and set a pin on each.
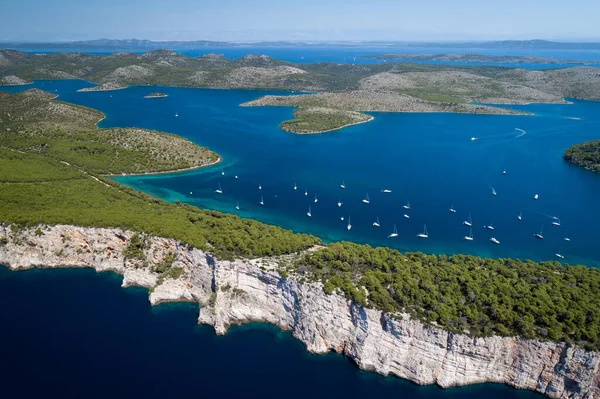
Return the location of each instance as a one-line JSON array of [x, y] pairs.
[[429, 160], [77, 334], [353, 55], [72, 334]]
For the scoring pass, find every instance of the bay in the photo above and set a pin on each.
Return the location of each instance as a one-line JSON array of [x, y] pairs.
[[429, 160]]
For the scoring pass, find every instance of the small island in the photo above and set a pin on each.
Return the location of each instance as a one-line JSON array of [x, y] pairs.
[[586, 155], [156, 94]]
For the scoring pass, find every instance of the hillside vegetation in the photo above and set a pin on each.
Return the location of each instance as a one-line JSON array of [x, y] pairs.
[[586, 155], [389, 86], [33, 122], [465, 294]]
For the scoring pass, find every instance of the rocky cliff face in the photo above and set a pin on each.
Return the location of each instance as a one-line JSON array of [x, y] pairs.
[[242, 291]]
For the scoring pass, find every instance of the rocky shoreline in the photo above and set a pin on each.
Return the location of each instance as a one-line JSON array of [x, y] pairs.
[[236, 292], [12, 80]]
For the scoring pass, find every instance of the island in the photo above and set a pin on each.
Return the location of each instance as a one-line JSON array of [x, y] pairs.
[[470, 57], [446, 320], [334, 92], [156, 94], [586, 155]]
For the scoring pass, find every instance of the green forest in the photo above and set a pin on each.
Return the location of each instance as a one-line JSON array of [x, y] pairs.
[[459, 293], [585, 154], [466, 294]]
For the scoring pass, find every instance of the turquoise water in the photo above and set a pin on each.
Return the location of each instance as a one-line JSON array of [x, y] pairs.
[[77, 334], [427, 159], [73, 333]]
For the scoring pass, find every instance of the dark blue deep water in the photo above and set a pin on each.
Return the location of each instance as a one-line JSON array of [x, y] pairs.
[[76, 334]]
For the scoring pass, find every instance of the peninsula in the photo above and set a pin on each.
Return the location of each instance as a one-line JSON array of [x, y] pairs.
[[448, 320], [586, 155], [338, 91]]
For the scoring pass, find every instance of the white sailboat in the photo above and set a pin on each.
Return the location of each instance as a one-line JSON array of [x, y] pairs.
[[343, 185], [556, 221], [406, 216], [520, 217], [191, 193], [490, 226], [535, 197], [567, 239], [349, 225], [504, 172], [305, 193], [339, 204], [385, 190], [295, 186], [470, 236], [219, 190], [539, 235], [494, 191], [262, 200], [316, 199], [222, 173], [376, 223], [237, 205], [394, 233], [407, 206], [176, 114], [452, 208], [260, 187], [424, 234], [494, 240], [559, 255], [468, 222], [236, 176], [366, 200], [342, 218], [309, 213]]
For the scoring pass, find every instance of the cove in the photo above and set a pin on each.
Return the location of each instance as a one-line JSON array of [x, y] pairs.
[[427, 159], [73, 333]]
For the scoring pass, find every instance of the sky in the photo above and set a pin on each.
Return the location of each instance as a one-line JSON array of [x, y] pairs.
[[306, 20]]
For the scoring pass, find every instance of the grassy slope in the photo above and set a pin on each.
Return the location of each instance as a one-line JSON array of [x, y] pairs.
[[51, 192], [32, 122]]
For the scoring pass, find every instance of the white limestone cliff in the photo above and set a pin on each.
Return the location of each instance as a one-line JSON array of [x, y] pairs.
[[242, 291]]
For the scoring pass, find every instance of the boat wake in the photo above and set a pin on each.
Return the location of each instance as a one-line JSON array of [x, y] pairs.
[[523, 132]]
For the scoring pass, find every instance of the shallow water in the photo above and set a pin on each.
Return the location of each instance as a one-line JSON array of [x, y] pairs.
[[427, 159], [76, 334]]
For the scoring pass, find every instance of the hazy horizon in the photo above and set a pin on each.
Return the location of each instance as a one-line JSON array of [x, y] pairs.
[[307, 20]]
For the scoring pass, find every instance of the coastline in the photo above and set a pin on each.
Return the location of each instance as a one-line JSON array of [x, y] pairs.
[[242, 291], [219, 159]]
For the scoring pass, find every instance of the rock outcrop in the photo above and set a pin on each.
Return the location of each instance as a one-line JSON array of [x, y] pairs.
[[12, 80], [235, 292]]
